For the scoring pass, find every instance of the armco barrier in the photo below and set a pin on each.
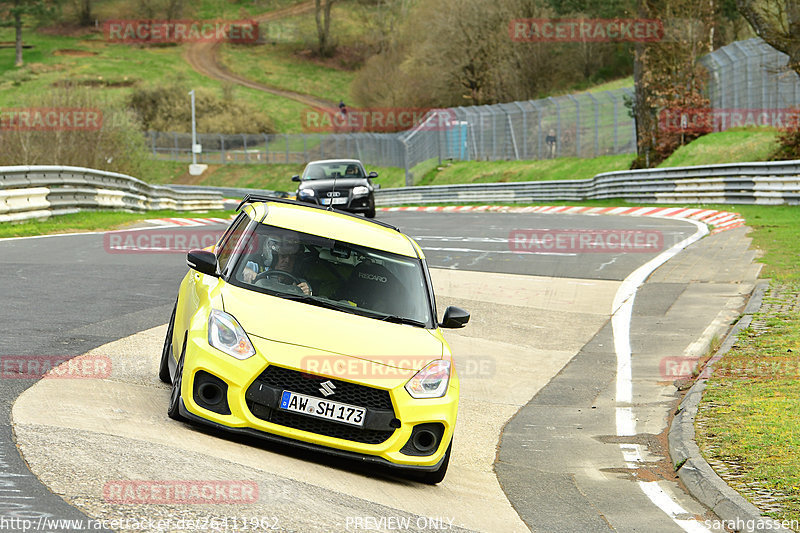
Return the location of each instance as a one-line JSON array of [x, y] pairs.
[[40, 191], [738, 183]]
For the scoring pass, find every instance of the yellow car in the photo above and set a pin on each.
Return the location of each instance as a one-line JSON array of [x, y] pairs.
[[316, 328]]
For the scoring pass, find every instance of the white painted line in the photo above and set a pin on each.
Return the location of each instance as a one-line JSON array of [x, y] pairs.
[[626, 418], [474, 251]]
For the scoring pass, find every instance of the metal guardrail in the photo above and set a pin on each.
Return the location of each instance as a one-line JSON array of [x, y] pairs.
[[28, 192], [738, 183]]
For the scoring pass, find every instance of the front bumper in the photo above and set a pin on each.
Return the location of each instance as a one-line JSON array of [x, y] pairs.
[[358, 204], [250, 407]]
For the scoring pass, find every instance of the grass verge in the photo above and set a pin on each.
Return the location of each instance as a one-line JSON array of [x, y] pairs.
[[750, 412], [91, 221]]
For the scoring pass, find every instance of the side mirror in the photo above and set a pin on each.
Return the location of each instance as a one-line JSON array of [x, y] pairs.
[[373, 175], [295, 178], [203, 261], [454, 317]]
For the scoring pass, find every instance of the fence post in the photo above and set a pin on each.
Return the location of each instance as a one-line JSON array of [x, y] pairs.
[[577, 125], [596, 124], [524, 130], [616, 121], [266, 148], [222, 148], [286, 137], [409, 176], [244, 142]]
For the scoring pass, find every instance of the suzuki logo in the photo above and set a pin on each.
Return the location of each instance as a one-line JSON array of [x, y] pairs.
[[326, 388], [334, 194]]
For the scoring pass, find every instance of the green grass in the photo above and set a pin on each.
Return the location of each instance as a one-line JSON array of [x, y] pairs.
[[732, 146], [279, 65], [750, 412], [273, 176], [118, 67], [91, 221], [565, 168]]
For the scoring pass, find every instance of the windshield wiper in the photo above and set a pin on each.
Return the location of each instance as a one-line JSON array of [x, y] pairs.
[[315, 301], [397, 319]]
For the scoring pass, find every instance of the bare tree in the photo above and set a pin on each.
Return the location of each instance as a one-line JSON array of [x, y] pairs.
[[322, 14], [778, 23], [667, 76]]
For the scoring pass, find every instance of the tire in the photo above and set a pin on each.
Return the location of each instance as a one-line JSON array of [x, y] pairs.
[[174, 410], [370, 213], [166, 351], [436, 476]]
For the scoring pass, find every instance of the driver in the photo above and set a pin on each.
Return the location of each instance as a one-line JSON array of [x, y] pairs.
[[279, 254]]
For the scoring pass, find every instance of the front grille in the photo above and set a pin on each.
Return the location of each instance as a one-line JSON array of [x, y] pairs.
[[279, 379], [345, 392]]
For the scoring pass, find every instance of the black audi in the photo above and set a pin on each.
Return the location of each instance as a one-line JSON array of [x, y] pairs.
[[340, 183]]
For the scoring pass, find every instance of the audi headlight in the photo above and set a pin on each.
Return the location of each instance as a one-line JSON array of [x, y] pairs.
[[431, 381], [226, 335], [361, 190], [306, 192]]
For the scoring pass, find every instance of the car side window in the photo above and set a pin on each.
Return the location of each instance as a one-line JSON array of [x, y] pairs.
[[228, 244]]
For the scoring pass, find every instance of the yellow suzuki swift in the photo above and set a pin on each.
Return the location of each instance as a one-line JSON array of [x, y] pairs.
[[316, 328]]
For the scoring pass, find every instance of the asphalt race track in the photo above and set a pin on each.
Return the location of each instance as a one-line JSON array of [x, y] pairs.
[[543, 359]]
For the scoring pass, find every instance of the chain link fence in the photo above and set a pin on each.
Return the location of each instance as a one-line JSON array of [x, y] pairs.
[[746, 75], [751, 75]]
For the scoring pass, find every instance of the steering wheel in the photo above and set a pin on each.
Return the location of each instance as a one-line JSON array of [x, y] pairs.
[[269, 273]]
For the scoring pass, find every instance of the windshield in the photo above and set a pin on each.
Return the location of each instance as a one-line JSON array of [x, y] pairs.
[[331, 170], [335, 274]]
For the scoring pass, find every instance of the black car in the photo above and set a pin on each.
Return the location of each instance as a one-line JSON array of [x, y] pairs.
[[340, 183]]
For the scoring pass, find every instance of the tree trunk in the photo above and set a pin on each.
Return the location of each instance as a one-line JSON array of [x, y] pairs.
[[322, 15], [18, 39], [85, 13]]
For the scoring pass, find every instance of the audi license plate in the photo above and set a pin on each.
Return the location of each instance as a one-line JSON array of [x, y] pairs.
[[334, 201], [338, 412]]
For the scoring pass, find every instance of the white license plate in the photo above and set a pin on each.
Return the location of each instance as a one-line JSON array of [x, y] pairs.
[[327, 409], [334, 201]]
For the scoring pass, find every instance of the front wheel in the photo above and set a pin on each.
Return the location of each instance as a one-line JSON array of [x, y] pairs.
[[432, 478], [370, 213]]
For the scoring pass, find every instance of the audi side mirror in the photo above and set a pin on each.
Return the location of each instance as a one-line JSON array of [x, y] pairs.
[[295, 178]]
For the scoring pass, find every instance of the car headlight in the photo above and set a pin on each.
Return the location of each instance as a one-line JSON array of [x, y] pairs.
[[360, 190], [431, 381], [306, 192], [226, 335]]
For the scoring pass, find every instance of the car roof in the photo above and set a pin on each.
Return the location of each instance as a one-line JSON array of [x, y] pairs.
[[334, 225], [343, 161]]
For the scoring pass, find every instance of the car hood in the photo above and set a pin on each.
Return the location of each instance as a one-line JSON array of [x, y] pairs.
[[339, 183], [320, 330]]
